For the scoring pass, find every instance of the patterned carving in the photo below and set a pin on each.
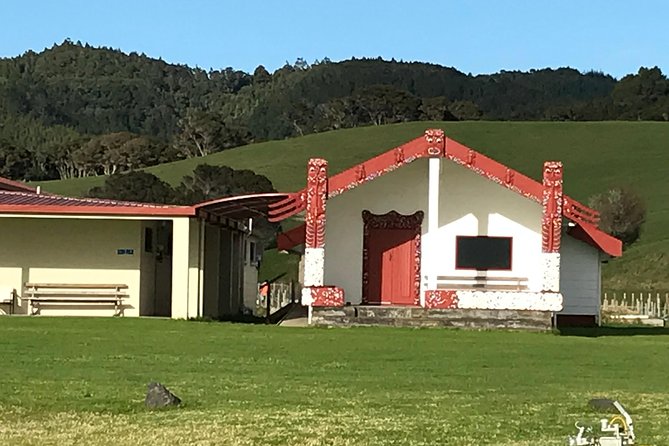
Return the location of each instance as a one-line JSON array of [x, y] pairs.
[[510, 300], [485, 173], [471, 157], [551, 271], [551, 223], [435, 142], [441, 299], [399, 155], [360, 173], [317, 180], [508, 179], [391, 220], [327, 296]]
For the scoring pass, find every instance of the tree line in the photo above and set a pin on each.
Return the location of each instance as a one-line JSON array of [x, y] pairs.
[[74, 110]]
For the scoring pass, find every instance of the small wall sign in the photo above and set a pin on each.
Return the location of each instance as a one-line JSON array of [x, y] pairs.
[[125, 252]]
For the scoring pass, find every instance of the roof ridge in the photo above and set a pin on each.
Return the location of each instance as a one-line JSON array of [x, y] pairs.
[[15, 185], [92, 200]]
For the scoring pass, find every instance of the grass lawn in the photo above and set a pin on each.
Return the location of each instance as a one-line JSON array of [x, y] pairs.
[[82, 381], [596, 155]]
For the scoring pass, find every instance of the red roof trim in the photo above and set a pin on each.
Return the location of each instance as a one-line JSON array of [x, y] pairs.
[[182, 211], [33, 203], [494, 170], [376, 167], [266, 198], [291, 238], [435, 144], [11, 185], [272, 205], [462, 155], [596, 237]]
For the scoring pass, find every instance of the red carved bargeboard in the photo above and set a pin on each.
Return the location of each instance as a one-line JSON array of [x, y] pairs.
[[551, 221], [317, 193], [327, 296], [441, 299], [391, 220]]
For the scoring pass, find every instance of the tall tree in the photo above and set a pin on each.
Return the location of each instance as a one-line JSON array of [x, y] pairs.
[[622, 213], [135, 186]]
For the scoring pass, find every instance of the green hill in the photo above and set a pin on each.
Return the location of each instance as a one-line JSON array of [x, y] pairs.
[[596, 155]]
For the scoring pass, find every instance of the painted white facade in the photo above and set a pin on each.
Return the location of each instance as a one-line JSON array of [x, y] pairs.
[[580, 273], [468, 204]]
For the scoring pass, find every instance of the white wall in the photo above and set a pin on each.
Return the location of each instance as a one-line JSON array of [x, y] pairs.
[[403, 190], [49, 250], [472, 205], [468, 205], [580, 277]]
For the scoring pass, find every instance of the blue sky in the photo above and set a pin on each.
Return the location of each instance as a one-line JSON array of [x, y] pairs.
[[476, 36]]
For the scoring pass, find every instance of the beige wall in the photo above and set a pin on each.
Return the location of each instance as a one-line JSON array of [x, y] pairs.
[[468, 205], [57, 249], [50, 250], [187, 268]]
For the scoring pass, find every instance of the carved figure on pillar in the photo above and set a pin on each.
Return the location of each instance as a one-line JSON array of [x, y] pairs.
[[317, 192], [551, 224]]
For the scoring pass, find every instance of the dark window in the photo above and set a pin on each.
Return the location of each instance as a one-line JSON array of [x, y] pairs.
[[483, 253], [148, 240], [252, 253]]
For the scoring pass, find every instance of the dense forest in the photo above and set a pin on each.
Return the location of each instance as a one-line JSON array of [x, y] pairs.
[[74, 110]]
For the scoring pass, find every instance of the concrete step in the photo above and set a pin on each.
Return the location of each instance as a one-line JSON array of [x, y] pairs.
[[296, 317]]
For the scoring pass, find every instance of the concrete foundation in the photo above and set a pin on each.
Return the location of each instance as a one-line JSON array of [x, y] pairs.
[[423, 317]]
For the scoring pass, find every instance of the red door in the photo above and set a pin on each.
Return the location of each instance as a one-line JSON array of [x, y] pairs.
[[391, 267]]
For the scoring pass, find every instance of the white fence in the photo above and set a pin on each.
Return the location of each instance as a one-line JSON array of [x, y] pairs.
[[280, 294], [655, 305]]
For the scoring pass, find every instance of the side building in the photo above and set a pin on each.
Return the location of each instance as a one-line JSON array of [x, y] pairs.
[[170, 261]]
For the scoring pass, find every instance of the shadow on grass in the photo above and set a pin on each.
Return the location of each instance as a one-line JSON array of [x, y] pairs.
[[241, 318], [613, 330], [274, 318]]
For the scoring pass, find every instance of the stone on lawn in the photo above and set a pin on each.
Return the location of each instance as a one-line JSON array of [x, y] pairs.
[[158, 397]]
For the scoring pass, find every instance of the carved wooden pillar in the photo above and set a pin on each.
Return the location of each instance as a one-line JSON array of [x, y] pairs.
[[314, 246], [551, 225], [436, 149]]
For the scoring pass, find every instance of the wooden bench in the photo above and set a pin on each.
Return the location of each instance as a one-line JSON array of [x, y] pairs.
[[482, 283], [8, 297], [75, 293]]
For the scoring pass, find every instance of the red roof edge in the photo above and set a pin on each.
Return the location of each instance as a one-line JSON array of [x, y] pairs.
[[434, 143], [174, 211], [15, 186], [594, 236], [291, 238]]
